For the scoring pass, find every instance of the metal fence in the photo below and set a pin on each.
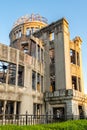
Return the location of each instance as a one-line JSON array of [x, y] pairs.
[[35, 119]]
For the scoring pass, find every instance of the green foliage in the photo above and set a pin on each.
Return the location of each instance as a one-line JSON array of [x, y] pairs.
[[68, 125]]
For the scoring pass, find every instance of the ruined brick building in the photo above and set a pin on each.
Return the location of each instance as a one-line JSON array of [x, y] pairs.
[[41, 70]]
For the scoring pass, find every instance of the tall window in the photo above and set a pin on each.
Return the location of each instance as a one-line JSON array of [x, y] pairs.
[[20, 33], [17, 107], [42, 55], [1, 106], [41, 83], [10, 107], [52, 69], [38, 53], [32, 30], [79, 84], [21, 75], [38, 82], [52, 36], [17, 34], [33, 49], [28, 31], [78, 59], [72, 55], [74, 82], [33, 80], [37, 110]]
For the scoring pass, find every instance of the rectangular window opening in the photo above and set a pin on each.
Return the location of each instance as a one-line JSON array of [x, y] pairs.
[[37, 110], [72, 56], [33, 49], [38, 82], [51, 36], [38, 53], [79, 84], [20, 75], [4, 72], [74, 82], [33, 80], [42, 84], [78, 59]]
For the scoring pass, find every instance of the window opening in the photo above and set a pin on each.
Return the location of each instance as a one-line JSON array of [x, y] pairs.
[[3, 71], [41, 83], [79, 84], [1, 107], [72, 55], [38, 82], [33, 80], [51, 36], [42, 55], [17, 34], [28, 31], [74, 82], [38, 53], [78, 59], [52, 70], [36, 110], [20, 75], [33, 49]]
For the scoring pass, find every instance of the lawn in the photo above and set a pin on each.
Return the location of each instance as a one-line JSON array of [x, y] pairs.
[[68, 125]]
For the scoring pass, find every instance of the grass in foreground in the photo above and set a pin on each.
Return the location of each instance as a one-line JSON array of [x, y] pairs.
[[68, 125]]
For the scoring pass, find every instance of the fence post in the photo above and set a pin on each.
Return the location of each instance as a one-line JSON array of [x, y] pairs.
[[26, 117]]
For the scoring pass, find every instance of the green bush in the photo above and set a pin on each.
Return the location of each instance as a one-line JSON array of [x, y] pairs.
[[68, 125]]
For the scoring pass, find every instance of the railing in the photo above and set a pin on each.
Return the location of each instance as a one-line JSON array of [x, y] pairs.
[[64, 92], [35, 119]]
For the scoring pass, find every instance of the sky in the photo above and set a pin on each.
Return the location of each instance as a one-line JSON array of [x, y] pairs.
[[75, 11]]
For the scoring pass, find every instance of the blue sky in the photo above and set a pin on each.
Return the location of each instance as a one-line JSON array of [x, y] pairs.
[[73, 10]]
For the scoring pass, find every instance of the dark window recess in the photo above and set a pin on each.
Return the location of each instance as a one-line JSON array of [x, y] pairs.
[[34, 109], [32, 47], [25, 47], [21, 75], [33, 80], [42, 55], [10, 107], [58, 113], [53, 85], [38, 53], [1, 107], [81, 112], [72, 55], [41, 83], [17, 107], [74, 82], [38, 82], [79, 84], [52, 69], [78, 59]]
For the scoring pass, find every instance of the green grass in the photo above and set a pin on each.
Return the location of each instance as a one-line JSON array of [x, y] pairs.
[[68, 125]]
